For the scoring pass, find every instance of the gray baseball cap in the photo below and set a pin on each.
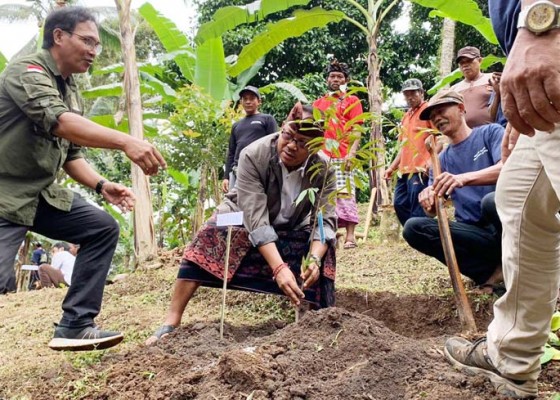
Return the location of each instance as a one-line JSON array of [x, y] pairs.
[[412, 84]]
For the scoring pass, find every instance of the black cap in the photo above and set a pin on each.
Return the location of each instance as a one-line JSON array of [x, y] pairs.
[[250, 89]]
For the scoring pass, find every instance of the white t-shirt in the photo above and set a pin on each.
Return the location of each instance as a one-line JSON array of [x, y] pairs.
[[64, 261]]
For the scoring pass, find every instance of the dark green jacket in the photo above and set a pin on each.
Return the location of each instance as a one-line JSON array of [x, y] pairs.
[[33, 95]]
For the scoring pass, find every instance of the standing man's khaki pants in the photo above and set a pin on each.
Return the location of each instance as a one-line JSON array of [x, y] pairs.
[[527, 199]]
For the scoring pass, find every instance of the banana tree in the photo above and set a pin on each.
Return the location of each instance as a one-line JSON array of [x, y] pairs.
[[227, 18], [302, 21], [203, 62], [447, 51], [144, 232]]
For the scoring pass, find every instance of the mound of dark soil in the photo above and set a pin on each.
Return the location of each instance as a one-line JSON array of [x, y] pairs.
[[330, 354], [378, 346]]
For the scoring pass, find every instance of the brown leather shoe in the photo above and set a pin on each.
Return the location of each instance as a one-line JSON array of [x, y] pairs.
[[473, 359]]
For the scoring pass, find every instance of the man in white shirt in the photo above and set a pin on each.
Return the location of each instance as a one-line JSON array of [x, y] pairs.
[[59, 272]]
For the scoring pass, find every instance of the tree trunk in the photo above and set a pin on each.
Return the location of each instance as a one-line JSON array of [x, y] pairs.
[[447, 52], [144, 234], [376, 135]]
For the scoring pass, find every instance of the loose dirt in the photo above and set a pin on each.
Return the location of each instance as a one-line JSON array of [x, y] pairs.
[[383, 341], [379, 346]]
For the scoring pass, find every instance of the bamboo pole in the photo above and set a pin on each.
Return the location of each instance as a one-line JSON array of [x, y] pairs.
[[224, 288]]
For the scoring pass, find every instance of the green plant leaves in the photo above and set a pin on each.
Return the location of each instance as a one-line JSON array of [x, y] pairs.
[[110, 90], [550, 353], [276, 33], [180, 177], [3, 62], [311, 193], [115, 214], [159, 87], [464, 11], [230, 17], [553, 339], [288, 87], [211, 68], [109, 122], [119, 69], [171, 38], [555, 324], [244, 77]]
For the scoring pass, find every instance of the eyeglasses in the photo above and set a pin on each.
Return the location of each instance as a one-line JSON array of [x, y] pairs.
[[89, 42], [289, 137]]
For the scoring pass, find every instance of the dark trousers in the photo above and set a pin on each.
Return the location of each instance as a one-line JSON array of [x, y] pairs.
[[477, 247], [93, 229], [406, 203]]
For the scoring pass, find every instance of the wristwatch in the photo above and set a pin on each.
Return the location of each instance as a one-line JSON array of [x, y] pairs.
[[540, 17], [316, 259], [99, 186]]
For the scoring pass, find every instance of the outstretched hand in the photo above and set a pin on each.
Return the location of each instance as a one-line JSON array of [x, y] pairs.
[[118, 195], [145, 155]]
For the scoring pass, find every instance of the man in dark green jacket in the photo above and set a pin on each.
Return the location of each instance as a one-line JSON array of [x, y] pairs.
[[41, 131]]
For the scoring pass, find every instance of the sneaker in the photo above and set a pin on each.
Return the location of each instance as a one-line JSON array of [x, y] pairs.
[[473, 359], [83, 339]]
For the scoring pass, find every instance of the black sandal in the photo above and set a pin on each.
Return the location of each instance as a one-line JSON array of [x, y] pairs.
[[162, 331]]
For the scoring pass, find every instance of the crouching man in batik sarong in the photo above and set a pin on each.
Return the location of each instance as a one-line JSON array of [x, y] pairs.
[[266, 254]]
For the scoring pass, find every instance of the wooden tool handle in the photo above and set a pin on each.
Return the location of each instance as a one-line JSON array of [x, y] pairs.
[[465, 311]]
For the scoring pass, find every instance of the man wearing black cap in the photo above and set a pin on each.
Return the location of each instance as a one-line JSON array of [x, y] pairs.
[[470, 167], [413, 158], [245, 131], [341, 108], [475, 88]]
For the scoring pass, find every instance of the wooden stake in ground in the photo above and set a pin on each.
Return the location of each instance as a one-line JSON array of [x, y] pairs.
[[224, 289], [465, 311], [229, 220]]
